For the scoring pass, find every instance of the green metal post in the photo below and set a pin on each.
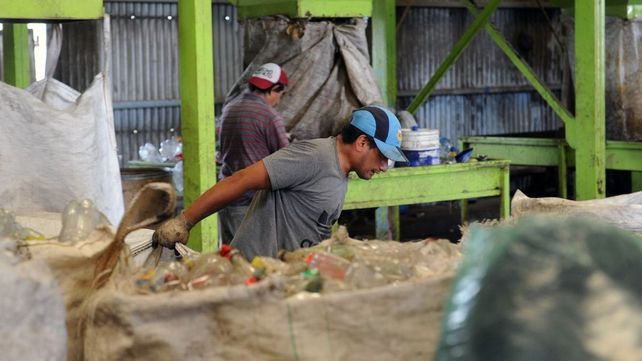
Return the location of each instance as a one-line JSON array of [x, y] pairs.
[[459, 47], [384, 52], [504, 210], [15, 42], [524, 68], [562, 169], [384, 62], [636, 181], [197, 111], [590, 128]]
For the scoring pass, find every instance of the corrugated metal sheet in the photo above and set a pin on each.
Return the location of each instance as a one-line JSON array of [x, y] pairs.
[[485, 114], [482, 65], [482, 93], [145, 66], [81, 53]]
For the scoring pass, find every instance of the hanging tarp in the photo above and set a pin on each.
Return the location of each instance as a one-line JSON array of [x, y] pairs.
[[622, 75], [328, 66]]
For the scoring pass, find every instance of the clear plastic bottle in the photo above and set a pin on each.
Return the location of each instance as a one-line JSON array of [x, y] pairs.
[[328, 265], [79, 219]]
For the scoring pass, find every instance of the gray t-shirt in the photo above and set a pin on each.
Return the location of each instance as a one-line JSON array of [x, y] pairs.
[[308, 189]]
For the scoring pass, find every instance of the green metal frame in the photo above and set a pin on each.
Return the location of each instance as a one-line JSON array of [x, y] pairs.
[[586, 132], [619, 155], [15, 42], [303, 8], [444, 182], [625, 9], [51, 9], [197, 112]]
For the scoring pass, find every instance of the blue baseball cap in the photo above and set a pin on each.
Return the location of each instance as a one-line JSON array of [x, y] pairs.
[[383, 127]]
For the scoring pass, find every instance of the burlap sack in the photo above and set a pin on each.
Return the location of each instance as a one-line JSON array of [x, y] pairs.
[[394, 322], [81, 268]]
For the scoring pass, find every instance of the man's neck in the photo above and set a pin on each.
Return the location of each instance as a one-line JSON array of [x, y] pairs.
[[262, 96], [343, 152]]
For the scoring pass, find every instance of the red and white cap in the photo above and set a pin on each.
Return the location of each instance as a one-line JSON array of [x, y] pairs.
[[268, 75]]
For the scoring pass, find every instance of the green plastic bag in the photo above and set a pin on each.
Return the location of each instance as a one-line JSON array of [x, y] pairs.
[[546, 289]]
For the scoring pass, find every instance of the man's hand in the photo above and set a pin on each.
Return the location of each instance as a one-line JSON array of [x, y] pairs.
[[175, 230]]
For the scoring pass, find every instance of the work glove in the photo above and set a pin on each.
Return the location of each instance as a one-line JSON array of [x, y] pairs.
[[174, 230]]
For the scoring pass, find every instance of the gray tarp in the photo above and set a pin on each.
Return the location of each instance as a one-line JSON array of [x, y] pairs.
[[328, 68]]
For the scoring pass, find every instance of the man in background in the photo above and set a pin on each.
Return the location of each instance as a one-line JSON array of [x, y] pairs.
[[251, 129]]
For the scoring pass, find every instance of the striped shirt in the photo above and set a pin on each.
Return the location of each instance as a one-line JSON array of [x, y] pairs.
[[250, 131]]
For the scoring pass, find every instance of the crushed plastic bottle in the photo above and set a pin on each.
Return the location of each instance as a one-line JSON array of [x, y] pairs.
[[242, 267], [169, 149], [446, 149], [167, 276], [209, 270], [328, 265], [149, 153], [79, 219], [177, 177], [10, 228]]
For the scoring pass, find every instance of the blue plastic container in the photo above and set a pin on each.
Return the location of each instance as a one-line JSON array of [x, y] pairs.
[[418, 158]]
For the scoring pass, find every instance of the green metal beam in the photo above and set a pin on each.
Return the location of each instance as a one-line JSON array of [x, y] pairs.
[[303, 8], [520, 151], [51, 9], [197, 111], [525, 69], [623, 155], [445, 182], [15, 42], [459, 47], [590, 126], [625, 9]]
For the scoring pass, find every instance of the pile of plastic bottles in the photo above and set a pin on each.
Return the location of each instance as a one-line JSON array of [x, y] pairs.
[[333, 265], [170, 152]]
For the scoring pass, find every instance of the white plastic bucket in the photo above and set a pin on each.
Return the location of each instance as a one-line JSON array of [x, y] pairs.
[[419, 139], [421, 147]]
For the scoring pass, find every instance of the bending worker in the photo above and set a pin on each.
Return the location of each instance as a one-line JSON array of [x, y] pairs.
[[301, 188], [250, 131]]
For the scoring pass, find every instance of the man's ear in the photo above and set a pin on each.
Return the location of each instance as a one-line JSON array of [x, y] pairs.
[[362, 142]]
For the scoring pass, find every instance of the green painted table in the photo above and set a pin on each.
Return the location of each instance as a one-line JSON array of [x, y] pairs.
[[443, 182]]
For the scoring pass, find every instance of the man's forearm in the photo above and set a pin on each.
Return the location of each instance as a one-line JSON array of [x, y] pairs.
[[226, 191]]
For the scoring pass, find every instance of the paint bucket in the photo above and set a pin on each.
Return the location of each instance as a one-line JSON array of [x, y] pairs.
[[420, 146]]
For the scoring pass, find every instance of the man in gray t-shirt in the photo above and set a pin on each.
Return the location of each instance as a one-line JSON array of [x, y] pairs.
[[301, 187]]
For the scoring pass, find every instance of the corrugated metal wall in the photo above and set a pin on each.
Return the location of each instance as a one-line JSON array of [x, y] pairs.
[[145, 66], [482, 93]]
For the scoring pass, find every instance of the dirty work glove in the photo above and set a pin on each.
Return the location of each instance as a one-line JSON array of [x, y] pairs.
[[172, 231]]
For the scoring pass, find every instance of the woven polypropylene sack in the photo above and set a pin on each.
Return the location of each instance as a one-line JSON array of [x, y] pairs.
[[56, 148], [623, 211]]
